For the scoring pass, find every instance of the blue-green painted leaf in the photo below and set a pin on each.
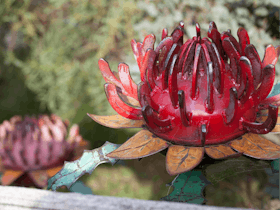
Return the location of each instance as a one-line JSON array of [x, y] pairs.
[[275, 166], [188, 187], [79, 187], [275, 90], [72, 171]]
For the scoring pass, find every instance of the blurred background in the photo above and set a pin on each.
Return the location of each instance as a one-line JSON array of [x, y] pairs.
[[49, 50]]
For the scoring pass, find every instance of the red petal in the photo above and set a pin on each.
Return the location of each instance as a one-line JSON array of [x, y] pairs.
[[150, 73], [148, 42], [178, 33], [146, 61], [268, 76], [162, 52], [271, 55], [252, 54], [119, 105], [164, 33], [107, 73], [215, 35], [232, 40], [266, 126], [172, 82], [234, 56], [244, 39], [135, 52], [195, 71], [128, 84], [247, 69], [183, 53], [263, 116]]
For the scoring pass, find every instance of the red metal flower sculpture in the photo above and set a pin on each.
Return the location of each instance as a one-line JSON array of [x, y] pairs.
[[33, 150], [195, 97]]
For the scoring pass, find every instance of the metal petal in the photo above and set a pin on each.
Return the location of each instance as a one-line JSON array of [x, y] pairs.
[[162, 51], [244, 39], [271, 55], [136, 52], [178, 34], [220, 151], [262, 128], [142, 144], [147, 60], [148, 42], [119, 105], [252, 54], [10, 176], [268, 76], [253, 145], [227, 35], [117, 121], [215, 35], [164, 33], [107, 74], [180, 159], [126, 80], [262, 115]]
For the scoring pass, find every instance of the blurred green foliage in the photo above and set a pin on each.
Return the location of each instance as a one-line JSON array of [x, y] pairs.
[[55, 47], [62, 64]]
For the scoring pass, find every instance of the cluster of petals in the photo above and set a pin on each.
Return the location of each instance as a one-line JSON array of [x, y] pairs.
[[207, 95], [34, 149]]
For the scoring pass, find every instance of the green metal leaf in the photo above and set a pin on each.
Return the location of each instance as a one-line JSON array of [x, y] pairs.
[[188, 187], [80, 187], [72, 171], [275, 166]]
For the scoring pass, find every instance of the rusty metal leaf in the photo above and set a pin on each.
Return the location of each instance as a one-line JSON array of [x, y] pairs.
[[142, 144], [253, 145], [117, 121], [180, 159], [262, 117], [220, 151], [10, 176]]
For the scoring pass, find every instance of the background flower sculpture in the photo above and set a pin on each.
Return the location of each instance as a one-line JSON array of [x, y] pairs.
[[33, 150], [194, 97]]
